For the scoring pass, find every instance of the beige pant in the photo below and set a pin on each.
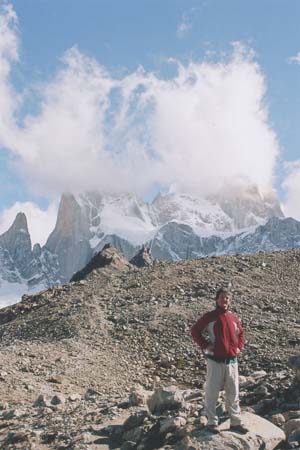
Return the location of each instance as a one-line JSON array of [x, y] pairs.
[[222, 376]]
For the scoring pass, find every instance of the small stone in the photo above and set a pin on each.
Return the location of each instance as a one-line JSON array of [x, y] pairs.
[[13, 414], [203, 421], [58, 379], [3, 405], [277, 419], [258, 374], [260, 390], [15, 438], [128, 445], [58, 399], [42, 400], [74, 397], [172, 424]]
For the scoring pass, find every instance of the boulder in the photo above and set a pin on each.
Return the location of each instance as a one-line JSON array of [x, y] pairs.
[[165, 398], [135, 420], [138, 396], [262, 434]]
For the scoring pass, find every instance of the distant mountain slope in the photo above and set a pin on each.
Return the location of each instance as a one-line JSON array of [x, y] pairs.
[[174, 226], [177, 241]]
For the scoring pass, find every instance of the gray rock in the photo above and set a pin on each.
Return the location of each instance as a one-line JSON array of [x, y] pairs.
[[13, 414], [170, 425], [135, 420], [263, 434], [165, 398], [291, 425], [43, 400], [134, 435], [58, 399], [143, 258], [138, 396]]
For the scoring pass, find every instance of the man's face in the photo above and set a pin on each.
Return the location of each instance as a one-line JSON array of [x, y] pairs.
[[223, 301]]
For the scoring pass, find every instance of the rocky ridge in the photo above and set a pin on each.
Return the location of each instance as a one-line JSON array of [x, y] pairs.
[[71, 355]]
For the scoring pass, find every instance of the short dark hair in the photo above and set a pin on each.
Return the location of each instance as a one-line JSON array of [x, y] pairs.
[[223, 291]]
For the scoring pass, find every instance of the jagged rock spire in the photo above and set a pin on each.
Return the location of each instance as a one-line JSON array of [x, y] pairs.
[[70, 237], [16, 240]]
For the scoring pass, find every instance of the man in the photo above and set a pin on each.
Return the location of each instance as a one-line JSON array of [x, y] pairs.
[[225, 341]]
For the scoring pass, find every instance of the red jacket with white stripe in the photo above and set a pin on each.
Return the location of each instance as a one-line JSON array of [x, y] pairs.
[[224, 331]]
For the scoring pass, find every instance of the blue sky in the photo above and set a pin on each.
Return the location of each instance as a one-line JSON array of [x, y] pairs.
[[119, 37]]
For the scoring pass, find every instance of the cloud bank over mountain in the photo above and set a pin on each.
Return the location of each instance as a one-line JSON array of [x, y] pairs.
[[206, 126]]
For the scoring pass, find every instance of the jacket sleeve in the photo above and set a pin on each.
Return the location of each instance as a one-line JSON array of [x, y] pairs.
[[241, 334], [197, 331]]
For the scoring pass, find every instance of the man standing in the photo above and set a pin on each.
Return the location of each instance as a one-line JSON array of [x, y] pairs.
[[225, 340]]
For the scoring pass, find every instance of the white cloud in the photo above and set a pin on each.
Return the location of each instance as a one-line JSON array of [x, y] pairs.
[[8, 56], [207, 125], [291, 186], [294, 59], [40, 222]]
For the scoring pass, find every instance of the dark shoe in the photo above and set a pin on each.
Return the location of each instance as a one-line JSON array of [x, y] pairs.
[[213, 429], [239, 429]]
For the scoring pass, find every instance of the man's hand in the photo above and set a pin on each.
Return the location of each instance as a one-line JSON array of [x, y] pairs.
[[210, 347], [238, 351]]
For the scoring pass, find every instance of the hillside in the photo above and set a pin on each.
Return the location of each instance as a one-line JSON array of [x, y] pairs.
[[94, 339]]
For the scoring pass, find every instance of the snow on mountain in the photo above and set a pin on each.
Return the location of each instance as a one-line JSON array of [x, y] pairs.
[[11, 293], [130, 218], [204, 216], [123, 215], [88, 221], [232, 209], [176, 241], [175, 225], [247, 206]]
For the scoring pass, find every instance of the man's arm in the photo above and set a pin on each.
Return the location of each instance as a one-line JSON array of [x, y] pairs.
[[197, 331], [241, 335]]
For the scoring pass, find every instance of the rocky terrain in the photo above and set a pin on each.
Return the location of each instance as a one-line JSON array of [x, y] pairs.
[[70, 356]]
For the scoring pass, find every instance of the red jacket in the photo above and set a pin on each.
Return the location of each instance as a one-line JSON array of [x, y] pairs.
[[224, 330]]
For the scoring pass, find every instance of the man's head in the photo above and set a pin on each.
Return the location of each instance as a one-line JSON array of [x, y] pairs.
[[223, 298]]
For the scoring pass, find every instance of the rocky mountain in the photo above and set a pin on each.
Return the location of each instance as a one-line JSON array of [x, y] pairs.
[[179, 241], [70, 237], [89, 221], [90, 364], [174, 226], [23, 268]]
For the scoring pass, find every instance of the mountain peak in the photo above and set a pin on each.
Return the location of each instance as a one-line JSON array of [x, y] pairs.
[[20, 223], [19, 226], [67, 212]]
